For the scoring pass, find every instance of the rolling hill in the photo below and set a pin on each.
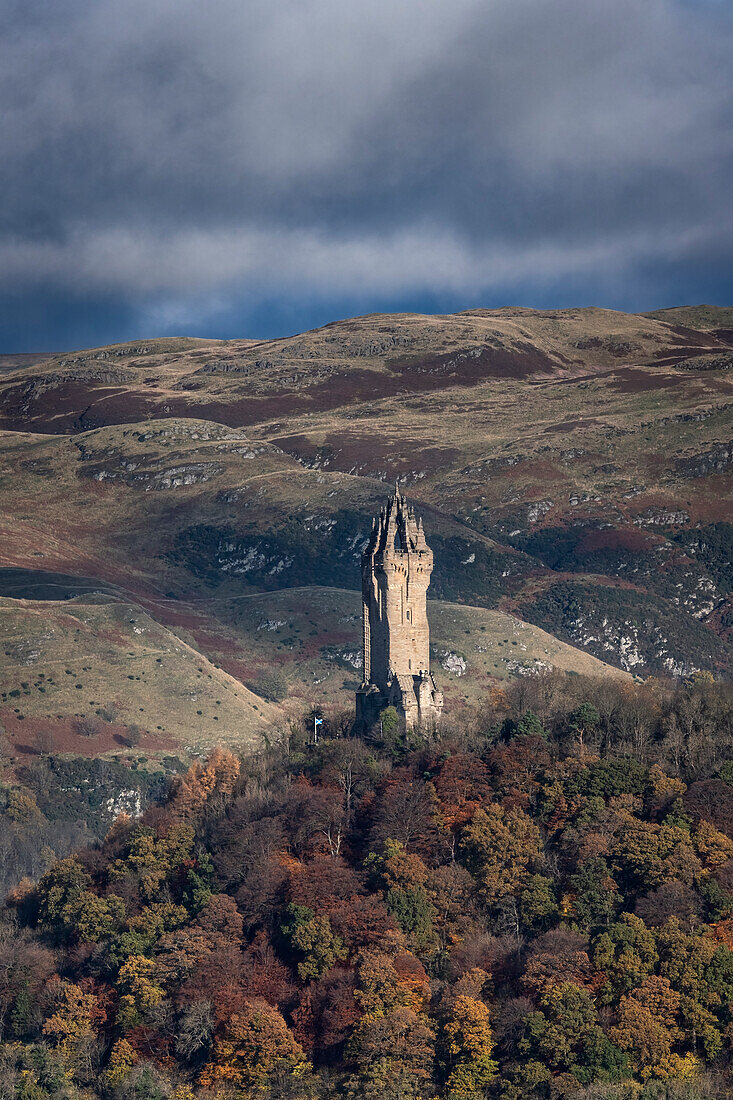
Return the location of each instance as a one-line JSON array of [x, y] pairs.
[[573, 468], [94, 675]]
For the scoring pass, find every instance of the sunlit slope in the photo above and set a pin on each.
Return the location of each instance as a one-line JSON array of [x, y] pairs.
[[94, 674], [304, 646]]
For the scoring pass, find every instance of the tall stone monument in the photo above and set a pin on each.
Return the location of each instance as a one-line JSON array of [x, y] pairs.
[[395, 574]]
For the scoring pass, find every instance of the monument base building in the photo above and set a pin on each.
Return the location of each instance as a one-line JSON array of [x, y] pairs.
[[395, 574]]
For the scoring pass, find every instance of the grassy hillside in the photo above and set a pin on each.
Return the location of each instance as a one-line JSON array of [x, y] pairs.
[[304, 644], [94, 675], [573, 468]]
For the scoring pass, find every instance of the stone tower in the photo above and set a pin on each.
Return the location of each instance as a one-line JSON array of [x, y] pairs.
[[395, 574]]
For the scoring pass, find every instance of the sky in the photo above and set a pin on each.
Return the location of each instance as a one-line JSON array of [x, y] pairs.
[[259, 167]]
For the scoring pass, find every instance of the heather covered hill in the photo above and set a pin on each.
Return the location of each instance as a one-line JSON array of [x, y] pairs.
[[573, 466], [347, 363]]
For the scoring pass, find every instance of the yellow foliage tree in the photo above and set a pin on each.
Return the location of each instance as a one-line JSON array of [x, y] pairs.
[[71, 1024], [256, 1049], [206, 783], [498, 847], [139, 992], [121, 1060], [713, 847], [647, 1026], [468, 1044], [93, 918]]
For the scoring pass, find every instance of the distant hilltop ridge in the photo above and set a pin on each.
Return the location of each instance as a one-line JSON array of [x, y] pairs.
[[345, 362]]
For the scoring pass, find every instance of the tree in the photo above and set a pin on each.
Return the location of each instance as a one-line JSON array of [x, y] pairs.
[[133, 735], [538, 907], [468, 1043], [452, 893], [594, 898], [349, 765], [651, 854], [70, 1027], [324, 884], [25, 969], [529, 725], [647, 1026], [558, 956], [209, 784], [59, 891], [391, 730], [195, 1030], [334, 1012], [518, 766], [626, 954], [314, 818], [139, 991], [700, 969], [406, 811], [386, 982], [498, 847], [254, 1051], [122, 1058], [93, 918], [313, 941], [583, 725], [566, 1036], [462, 786], [88, 726], [393, 1053], [402, 875]]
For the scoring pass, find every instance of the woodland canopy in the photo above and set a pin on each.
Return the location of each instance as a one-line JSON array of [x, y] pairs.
[[538, 904]]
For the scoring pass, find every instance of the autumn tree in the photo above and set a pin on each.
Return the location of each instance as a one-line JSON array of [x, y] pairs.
[[393, 1054], [462, 785], [498, 847], [626, 954], [647, 1027], [406, 811], [312, 940], [206, 785], [402, 875], [70, 1027], [565, 1035], [393, 1044], [256, 1050], [467, 1045], [59, 891], [139, 991]]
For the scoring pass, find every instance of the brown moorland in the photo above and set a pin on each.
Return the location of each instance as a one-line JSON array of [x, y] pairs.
[[573, 467]]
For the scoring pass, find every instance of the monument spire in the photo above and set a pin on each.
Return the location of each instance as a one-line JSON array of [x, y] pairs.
[[395, 569]]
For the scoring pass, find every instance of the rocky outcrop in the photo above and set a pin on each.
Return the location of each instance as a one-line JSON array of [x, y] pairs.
[[715, 461]]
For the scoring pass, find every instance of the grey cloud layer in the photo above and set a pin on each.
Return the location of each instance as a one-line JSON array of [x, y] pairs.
[[175, 151]]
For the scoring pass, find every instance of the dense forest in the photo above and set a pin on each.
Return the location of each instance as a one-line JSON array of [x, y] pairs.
[[536, 904]]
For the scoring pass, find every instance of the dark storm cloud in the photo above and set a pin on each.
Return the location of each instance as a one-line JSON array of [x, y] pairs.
[[175, 163]]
